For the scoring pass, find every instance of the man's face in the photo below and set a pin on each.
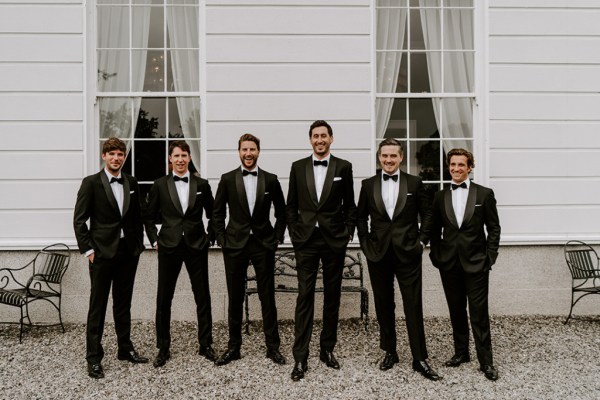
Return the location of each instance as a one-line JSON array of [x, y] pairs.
[[459, 169], [390, 159], [249, 154], [114, 160], [180, 160], [320, 141]]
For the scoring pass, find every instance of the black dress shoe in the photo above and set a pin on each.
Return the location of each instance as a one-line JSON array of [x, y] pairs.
[[299, 369], [490, 372], [390, 358], [161, 358], [457, 359], [276, 356], [425, 369], [95, 371], [329, 359], [133, 357], [228, 356], [208, 353]]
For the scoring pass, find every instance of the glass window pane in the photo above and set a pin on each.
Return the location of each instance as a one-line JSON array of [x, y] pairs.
[[419, 76], [150, 159], [152, 120], [422, 119], [99, 2], [392, 3], [153, 62], [146, 2], [183, 27], [458, 3], [458, 72], [392, 72], [427, 160], [115, 117], [416, 31], [429, 31], [458, 29], [183, 71], [113, 71], [396, 126], [113, 27], [426, 3], [147, 24], [188, 2], [175, 128]]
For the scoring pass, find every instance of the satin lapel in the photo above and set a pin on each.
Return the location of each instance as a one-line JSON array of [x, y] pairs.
[[378, 196], [402, 191], [449, 208], [109, 193], [193, 190], [470, 206], [241, 189], [173, 193], [126, 195], [260, 190], [310, 180], [328, 180]]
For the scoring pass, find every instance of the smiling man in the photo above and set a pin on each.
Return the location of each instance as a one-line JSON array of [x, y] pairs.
[[177, 201], [393, 201], [249, 192], [321, 217], [464, 254], [110, 200]]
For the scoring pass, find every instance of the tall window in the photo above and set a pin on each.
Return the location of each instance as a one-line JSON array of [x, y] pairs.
[[147, 54], [425, 81]]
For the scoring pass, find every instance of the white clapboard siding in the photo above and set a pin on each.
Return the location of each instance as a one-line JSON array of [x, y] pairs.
[[25, 226], [287, 135], [39, 194], [41, 165], [288, 3], [41, 135], [288, 77], [41, 48], [545, 134], [544, 124], [41, 107], [41, 77], [41, 19]]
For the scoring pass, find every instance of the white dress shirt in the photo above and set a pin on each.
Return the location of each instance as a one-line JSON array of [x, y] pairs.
[[459, 201], [183, 190], [250, 183], [320, 174], [389, 192]]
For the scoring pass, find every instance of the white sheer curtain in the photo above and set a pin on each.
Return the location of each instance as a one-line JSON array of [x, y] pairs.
[[183, 30], [118, 116], [391, 27], [454, 116]]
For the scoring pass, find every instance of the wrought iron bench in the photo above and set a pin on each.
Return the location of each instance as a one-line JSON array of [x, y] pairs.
[[286, 281], [43, 276], [583, 262]]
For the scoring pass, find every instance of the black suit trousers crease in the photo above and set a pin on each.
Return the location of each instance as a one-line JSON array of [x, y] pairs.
[[409, 277], [118, 272], [462, 289], [307, 264], [170, 262], [236, 267]]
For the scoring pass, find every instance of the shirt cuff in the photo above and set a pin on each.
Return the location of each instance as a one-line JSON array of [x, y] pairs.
[[89, 253]]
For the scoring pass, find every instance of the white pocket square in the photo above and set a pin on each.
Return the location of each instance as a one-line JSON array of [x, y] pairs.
[[337, 178], [198, 192], [266, 192], [132, 192], [478, 205], [409, 194]]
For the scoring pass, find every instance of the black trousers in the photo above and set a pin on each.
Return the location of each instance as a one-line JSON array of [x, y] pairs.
[[170, 262], [462, 288], [409, 279], [236, 266], [307, 265], [118, 272]]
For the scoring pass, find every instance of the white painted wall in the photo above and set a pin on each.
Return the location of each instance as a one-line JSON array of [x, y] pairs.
[[544, 119]]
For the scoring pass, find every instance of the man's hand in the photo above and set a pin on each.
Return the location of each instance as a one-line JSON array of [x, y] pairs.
[[91, 257]]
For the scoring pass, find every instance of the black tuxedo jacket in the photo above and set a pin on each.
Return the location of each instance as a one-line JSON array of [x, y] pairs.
[[164, 207], [402, 231], [468, 243], [231, 192], [335, 211], [96, 202]]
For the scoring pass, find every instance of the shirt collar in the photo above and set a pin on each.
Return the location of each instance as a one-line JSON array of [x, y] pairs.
[[323, 159], [187, 174], [109, 175], [250, 170], [466, 181]]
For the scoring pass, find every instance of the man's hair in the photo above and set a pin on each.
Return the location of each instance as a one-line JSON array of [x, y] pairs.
[[319, 123], [390, 142], [181, 144], [113, 143], [248, 137], [462, 152]]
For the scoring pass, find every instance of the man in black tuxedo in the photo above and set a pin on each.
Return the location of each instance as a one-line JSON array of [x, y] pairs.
[[249, 191], [321, 217], [177, 201], [394, 201], [464, 255], [110, 200]]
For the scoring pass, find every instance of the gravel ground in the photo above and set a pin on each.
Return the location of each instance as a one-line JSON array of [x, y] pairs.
[[537, 358]]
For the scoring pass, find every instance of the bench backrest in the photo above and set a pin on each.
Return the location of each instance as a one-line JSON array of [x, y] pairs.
[[582, 260]]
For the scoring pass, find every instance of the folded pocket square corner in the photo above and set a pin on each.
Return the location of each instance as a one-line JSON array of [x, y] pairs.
[[478, 205], [337, 178], [198, 192], [132, 192], [409, 194]]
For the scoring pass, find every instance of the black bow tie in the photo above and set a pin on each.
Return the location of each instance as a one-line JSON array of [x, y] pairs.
[[245, 172], [177, 178], [392, 177], [317, 162], [462, 185], [118, 180]]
